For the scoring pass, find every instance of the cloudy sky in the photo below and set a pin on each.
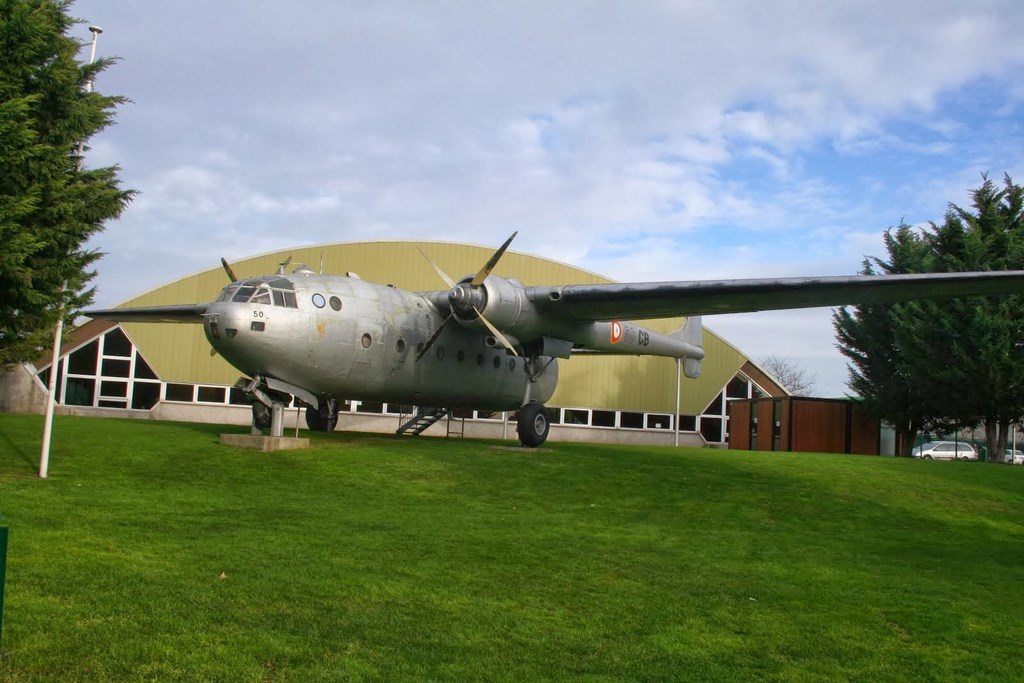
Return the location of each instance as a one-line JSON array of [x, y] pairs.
[[658, 140]]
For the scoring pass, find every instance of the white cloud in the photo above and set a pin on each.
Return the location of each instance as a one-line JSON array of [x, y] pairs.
[[666, 139]]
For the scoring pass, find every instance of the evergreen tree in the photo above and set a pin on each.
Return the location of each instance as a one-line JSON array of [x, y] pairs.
[[937, 365], [49, 204], [868, 337], [990, 355]]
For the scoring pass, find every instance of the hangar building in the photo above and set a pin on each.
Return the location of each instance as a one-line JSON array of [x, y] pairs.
[[166, 371]]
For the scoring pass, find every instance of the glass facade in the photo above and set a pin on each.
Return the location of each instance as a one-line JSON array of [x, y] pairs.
[[105, 372]]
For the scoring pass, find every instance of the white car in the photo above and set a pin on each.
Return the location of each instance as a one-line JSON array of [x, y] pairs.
[[1014, 457], [945, 450]]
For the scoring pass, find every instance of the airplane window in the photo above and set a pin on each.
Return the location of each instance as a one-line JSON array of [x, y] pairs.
[[290, 301], [227, 294], [440, 353], [318, 300], [366, 341], [243, 293], [511, 364], [497, 362], [335, 303], [278, 297], [280, 283], [262, 296]]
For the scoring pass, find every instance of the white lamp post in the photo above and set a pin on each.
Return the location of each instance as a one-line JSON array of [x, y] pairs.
[[58, 332]]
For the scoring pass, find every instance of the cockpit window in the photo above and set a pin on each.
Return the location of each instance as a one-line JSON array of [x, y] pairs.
[[280, 283], [262, 296], [243, 293], [286, 299], [276, 291]]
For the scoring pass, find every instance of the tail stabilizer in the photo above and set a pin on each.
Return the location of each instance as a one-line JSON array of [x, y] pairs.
[[692, 333]]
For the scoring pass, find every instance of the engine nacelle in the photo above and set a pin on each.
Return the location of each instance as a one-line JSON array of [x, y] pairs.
[[502, 301]]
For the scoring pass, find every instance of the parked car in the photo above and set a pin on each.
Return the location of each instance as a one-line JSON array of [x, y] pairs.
[[945, 450], [1014, 457]]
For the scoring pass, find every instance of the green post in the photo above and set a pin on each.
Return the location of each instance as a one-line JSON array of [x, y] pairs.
[[3, 573]]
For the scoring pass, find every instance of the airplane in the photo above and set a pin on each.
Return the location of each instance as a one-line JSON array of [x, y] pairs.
[[327, 338]]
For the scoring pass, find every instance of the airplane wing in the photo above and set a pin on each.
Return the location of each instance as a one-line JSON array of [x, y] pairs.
[[706, 297], [186, 313]]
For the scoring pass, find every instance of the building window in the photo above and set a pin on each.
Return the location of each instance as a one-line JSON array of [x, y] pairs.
[[80, 391], [631, 420], [106, 372], [83, 361], [180, 392], [211, 394], [711, 429], [738, 387], [145, 395], [659, 421], [116, 343], [576, 416]]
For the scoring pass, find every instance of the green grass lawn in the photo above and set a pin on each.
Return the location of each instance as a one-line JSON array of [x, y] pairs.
[[154, 553]]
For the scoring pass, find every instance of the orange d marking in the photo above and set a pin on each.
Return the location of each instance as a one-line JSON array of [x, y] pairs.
[[616, 332]]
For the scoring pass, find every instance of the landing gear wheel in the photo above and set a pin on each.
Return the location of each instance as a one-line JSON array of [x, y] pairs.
[[324, 418], [261, 417], [532, 424]]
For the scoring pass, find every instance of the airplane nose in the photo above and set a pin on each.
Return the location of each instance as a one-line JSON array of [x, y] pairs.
[[222, 325], [213, 326]]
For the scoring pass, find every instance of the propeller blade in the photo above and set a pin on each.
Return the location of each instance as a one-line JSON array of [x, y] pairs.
[[494, 330], [489, 266], [433, 337], [283, 264], [227, 269], [437, 269]]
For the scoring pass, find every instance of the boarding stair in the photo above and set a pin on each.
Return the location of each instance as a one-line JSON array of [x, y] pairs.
[[422, 419]]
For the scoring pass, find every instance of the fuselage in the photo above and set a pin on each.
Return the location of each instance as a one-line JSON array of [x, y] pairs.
[[344, 338]]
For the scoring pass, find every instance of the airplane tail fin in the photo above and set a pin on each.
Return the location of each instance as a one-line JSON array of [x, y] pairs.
[[692, 333]]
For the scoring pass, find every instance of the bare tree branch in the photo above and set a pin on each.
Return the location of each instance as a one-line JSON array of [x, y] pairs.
[[790, 375]]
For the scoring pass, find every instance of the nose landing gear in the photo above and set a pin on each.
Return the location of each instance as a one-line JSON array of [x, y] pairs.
[[271, 396], [261, 416]]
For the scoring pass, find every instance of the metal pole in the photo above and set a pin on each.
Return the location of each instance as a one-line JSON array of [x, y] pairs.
[[679, 380], [3, 573], [58, 332], [1013, 452], [96, 31]]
